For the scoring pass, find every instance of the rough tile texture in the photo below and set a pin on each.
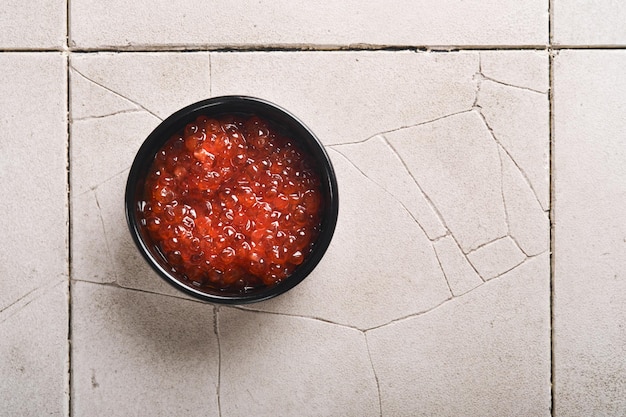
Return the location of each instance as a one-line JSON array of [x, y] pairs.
[[33, 271], [33, 24], [34, 354], [483, 354], [293, 366], [581, 22], [396, 22], [590, 234], [441, 188], [135, 353]]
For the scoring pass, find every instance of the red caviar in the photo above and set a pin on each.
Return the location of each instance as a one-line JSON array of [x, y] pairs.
[[232, 204]]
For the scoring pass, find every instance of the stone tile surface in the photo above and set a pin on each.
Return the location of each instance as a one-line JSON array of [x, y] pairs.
[[590, 234], [34, 267], [34, 354], [580, 22], [135, 353], [192, 23], [33, 24], [292, 366], [426, 184], [483, 354]]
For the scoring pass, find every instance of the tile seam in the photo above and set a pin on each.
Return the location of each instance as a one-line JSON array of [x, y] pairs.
[[551, 50], [66, 52], [313, 49]]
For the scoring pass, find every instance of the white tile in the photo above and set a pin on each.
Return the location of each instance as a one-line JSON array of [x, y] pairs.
[[34, 354], [33, 24], [195, 23], [456, 162], [590, 232], [486, 353], [289, 366], [135, 353], [350, 96], [496, 258], [33, 158], [581, 22]]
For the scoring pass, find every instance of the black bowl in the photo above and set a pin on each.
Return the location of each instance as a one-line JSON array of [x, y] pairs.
[[213, 107]]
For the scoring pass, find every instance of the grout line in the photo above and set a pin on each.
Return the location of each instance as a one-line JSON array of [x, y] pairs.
[[67, 51], [550, 23], [551, 191], [313, 48], [68, 25], [551, 50]]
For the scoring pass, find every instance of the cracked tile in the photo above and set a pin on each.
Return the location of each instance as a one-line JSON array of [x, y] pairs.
[[459, 272], [33, 356], [521, 69], [375, 159], [380, 265], [85, 93], [529, 225], [35, 24], [520, 123], [351, 96], [91, 258], [581, 22], [135, 353], [160, 83], [33, 184], [589, 233], [222, 23], [456, 160], [496, 258], [293, 366], [485, 353]]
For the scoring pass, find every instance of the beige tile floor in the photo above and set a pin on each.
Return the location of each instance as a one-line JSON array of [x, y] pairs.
[[478, 264]]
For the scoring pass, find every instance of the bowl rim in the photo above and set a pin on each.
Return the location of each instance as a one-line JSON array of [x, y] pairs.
[[157, 138]]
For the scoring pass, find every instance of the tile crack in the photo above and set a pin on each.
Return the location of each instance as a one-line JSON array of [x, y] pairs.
[[510, 157], [104, 233], [116, 93], [442, 303], [87, 118], [319, 319], [26, 299], [332, 145], [383, 189], [369, 355]]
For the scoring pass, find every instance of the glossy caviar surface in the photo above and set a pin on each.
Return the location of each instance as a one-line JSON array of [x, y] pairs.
[[232, 204]]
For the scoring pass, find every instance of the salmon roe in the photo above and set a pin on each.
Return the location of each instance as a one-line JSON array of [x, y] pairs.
[[232, 204]]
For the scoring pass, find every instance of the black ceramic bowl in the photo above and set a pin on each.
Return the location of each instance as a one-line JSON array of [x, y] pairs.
[[219, 106]]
